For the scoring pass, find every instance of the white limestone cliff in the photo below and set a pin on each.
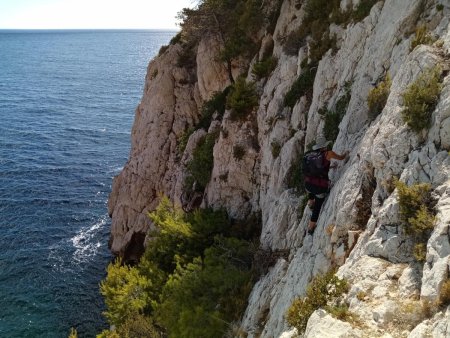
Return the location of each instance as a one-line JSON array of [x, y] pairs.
[[376, 257]]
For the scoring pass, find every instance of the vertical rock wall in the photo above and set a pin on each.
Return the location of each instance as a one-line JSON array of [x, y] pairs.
[[376, 257]]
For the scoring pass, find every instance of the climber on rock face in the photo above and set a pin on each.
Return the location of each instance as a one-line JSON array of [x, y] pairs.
[[316, 164]]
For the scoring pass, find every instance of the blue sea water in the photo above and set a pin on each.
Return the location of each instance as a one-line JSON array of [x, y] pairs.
[[67, 101]]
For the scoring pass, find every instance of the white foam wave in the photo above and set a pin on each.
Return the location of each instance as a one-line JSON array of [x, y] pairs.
[[85, 241]]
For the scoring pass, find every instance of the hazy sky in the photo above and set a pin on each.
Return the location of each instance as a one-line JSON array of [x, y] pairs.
[[63, 14]]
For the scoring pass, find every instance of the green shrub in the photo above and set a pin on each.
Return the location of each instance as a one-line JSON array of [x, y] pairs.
[[439, 7], [295, 177], [108, 334], [302, 86], [124, 290], [444, 294], [422, 37], [275, 147], [319, 14], [273, 17], [332, 118], [187, 57], [199, 168], [73, 333], [302, 206], [331, 125], [183, 140], [242, 99], [193, 279], [378, 97], [416, 214], [265, 67], [420, 99], [238, 152], [294, 41], [135, 326], [415, 207], [318, 48], [162, 50], [420, 252], [322, 290], [199, 300], [362, 10], [215, 104], [179, 238], [176, 39]]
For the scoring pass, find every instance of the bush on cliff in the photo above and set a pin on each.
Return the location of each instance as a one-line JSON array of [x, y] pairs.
[[302, 86], [416, 214], [319, 15], [378, 96], [242, 99], [199, 168], [321, 291], [193, 280], [234, 22], [264, 68], [201, 298], [124, 291], [332, 118], [422, 37], [420, 99], [216, 104]]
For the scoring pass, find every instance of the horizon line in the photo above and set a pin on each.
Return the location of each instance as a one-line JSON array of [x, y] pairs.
[[89, 29]]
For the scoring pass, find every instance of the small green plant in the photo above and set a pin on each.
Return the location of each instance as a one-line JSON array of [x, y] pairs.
[[439, 7], [294, 41], [238, 152], [322, 290], [108, 334], [183, 140], [162, 50], [302, 86], [332, 118], [125, 293], [363, 204], [420, 252], [295, 177], [187, 56], [415, 207], [136, 326], [378, 97], [176, 39], [416, 214], [200, 167], [319, 14], [340, 312], [420, 99], [422, 37], [444, 294], [318, 47], [242, 99], [302, 206], [264, 68], [275, 147], [362, 10], [215, 104], [361, 295], [73, 333]]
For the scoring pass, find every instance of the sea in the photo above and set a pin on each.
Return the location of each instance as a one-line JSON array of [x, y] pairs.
[[67, 102]]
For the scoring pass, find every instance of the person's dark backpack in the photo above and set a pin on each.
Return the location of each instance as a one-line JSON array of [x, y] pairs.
[[315, 164]]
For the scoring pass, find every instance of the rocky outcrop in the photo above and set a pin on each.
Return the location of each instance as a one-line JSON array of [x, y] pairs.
[[387, 285]]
